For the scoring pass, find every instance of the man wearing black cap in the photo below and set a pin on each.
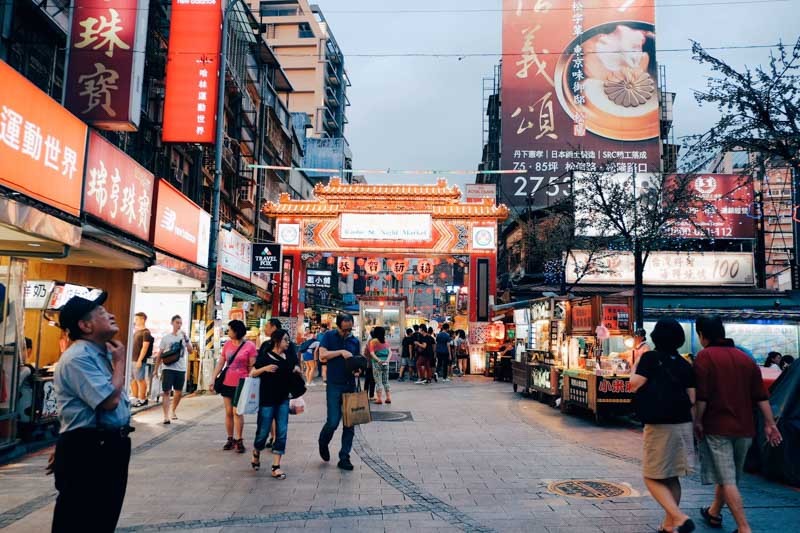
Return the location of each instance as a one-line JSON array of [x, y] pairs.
[[93, 449]]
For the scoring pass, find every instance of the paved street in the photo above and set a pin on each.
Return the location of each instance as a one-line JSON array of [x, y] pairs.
[[464, 456]]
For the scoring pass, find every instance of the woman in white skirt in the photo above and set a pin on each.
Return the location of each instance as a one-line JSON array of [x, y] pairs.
[[665, 393]]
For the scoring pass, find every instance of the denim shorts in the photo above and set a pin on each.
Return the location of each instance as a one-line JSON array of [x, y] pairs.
[[138, 374]]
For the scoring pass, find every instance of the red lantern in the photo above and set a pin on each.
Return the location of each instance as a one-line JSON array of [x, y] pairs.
[[443, 275], [429, 290], [355, 276], [436, 261], [425, 268], [372, 266], [331, 260], [388, 277], [399, 268]]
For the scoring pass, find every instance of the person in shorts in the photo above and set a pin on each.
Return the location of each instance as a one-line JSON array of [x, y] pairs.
[[406, 355], [141, 353], [729, 388], [173, 376]]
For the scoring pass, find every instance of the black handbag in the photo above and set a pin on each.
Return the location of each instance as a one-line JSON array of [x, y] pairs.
[[219, 381], [297, 387], [357, 363]]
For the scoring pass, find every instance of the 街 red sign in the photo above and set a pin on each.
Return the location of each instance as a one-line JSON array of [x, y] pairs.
[[106, 62]]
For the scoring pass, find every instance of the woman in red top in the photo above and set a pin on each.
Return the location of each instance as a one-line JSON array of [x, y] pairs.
[[240, 355]]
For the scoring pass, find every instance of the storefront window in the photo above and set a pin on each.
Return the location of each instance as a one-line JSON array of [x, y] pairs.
[[12, 342], [761, 339]]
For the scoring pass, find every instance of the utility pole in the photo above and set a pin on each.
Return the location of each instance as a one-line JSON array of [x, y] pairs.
[[214, 282]]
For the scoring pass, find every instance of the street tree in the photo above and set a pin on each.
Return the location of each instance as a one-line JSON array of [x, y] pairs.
[[759, 110]]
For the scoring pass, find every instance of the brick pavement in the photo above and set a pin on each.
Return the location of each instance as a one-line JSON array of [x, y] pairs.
[[472, 456]]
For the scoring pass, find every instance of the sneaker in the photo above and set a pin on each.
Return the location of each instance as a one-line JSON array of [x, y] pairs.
[[324, 453], [345, 464], [446, 380], [427, 382], [420, 382], [229, 445]]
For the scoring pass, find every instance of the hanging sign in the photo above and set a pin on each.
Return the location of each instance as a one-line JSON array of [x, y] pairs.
[[106, 62], [372, 266], [582, 318], [616, 317], [319, 279], [425, 268], [399, 268], [267, 258], [345, 266]]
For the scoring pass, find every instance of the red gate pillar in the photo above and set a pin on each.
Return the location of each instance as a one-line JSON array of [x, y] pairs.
[[287, 306], [482, 286]]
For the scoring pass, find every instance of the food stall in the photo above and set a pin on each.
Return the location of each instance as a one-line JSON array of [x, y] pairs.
[[388, 312], [501, 335], [599, 355]]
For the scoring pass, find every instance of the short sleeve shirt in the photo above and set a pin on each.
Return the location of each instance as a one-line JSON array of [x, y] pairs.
[[442, 342], [337, 372], [139, 338], [681, 371], [166, 343], [408, 343], [240, 366], [82, 382]]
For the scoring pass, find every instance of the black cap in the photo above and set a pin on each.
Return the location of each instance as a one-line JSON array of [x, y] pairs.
[[77, 308]]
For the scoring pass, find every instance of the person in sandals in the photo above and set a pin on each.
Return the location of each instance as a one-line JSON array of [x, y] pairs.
[[275, 368]]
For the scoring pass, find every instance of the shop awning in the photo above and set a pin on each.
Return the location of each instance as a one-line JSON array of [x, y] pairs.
[[240, 289], [759, 305]]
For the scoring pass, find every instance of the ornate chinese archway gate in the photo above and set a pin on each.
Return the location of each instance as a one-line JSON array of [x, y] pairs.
[[390, 221]]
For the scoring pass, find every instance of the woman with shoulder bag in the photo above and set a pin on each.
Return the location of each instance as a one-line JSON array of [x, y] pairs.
[[235, 361], [664, 385], [276, 369]]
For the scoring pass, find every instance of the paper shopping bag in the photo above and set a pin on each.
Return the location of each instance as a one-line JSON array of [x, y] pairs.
[[249, 396], [355, 408]]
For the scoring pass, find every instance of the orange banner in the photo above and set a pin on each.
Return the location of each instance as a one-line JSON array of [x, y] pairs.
[[42, 145]]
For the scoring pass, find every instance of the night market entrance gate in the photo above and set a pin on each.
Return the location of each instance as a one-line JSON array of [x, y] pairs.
[[418, 243]]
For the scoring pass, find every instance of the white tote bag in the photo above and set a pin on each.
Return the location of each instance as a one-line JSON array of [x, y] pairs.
[[248, 399]]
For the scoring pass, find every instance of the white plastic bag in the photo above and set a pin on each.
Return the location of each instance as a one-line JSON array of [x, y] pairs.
[[297, 406], [155, 388], [248, 399]]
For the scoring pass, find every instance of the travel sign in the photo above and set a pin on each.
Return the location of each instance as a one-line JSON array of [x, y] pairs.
[[267, 258]]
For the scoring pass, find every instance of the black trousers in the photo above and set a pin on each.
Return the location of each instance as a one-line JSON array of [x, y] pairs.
[[442, 364], [91, 474], [369, 382]]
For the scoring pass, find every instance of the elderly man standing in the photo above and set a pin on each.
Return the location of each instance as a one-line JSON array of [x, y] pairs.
[[337, 346], [93, 449]]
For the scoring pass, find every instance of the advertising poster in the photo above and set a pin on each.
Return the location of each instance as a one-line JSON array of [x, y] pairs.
[[726, 209], [192, 71], [579, 92], [106, 63]]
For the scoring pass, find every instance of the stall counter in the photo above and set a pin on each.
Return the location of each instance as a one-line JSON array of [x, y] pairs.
[[602, 395]]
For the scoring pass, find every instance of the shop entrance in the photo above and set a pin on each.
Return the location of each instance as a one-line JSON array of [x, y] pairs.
[[416, 248]]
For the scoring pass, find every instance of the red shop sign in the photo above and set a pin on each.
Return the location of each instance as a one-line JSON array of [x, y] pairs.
[[181, 228], [117, 189], [724, 210], [106, 62], [192, 71], [582, 318], [616, 317], [285, 305]]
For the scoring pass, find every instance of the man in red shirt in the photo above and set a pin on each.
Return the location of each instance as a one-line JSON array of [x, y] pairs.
[[729, 387]]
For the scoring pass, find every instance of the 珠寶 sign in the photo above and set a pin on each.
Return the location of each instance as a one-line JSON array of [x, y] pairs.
[[579, 93], [117, 189], [106, 62]]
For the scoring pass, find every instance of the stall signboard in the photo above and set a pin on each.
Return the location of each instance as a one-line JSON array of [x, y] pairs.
[[579, 93], [578, 391], [106, 62], [235, 256], [540, 311], [181, 227], [319, 279], [544, 378], [477, 192], [190, 101], [725, 209], [285, 303], [582, 318], [614, 390], [616, 317], [267, 258], [37, 293], [665, 268], [63, 292], [117, 189], [42, 145]]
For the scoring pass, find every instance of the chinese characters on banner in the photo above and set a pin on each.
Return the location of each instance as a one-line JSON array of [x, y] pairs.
[[582, 318], [616, 317], [117, 190], [727, 209], [372, 266], [346, 266], [182, 228], [42, 145], [192, 68], [399, 267], [424, 268], [579, 93], [285, 304], [106, 62]]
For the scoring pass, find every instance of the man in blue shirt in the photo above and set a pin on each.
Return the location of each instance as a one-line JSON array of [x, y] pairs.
[[93, 449], [443, 350], [335, 348]]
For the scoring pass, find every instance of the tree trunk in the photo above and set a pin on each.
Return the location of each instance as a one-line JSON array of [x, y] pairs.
[[638, 285]]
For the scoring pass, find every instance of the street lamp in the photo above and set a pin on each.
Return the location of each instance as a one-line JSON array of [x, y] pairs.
[[214, 284]]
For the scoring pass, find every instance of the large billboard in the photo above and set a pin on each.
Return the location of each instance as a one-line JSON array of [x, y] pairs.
[[192, 71], [579, 92], [42, 145], [725, 209], [106, 62]]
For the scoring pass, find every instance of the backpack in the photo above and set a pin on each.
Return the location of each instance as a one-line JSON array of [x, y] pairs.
[[661, 397]]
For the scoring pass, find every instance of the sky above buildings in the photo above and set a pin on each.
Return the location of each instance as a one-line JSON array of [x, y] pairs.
[[413, 112]]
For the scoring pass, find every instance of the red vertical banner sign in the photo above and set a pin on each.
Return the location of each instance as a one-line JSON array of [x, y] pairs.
[[195, 33], [285, 302], [579, 94], [106, 62]]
